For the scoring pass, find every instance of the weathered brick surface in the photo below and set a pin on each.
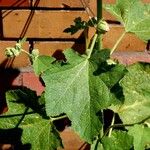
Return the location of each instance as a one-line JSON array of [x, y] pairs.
[[14, 3], [49, 48], [129, 42], [31, 81], [59, 3], [129, 58], [71, 140], [40, 24]]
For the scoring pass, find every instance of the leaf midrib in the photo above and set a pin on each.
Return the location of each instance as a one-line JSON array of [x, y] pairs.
[[69, 85], [135, 104]]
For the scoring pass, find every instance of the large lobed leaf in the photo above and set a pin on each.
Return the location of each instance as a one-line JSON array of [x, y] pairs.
[[136, 90], [75, 89], [134, 15], [37, 132]]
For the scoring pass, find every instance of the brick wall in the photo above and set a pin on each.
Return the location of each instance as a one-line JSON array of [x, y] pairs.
[[42, 22]]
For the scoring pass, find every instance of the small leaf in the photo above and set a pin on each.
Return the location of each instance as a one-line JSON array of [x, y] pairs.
[[141, 137], [134, 15], [119, 140]]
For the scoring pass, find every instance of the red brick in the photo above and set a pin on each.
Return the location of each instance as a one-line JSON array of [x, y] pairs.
[[14, 3], [31, 81], [71, 140], [49, 48], [129, 58], [129, 43], [40, 24], [59, 3]]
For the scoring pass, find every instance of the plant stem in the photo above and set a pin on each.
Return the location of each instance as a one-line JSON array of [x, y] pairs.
[[118, 42], [92, 46], [99, 17], [25, 52], [112, 123], [99, 10], [58, 118], [86, 38]]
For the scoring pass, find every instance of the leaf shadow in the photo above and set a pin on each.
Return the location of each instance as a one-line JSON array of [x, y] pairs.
[[13, 138], [30, 99]]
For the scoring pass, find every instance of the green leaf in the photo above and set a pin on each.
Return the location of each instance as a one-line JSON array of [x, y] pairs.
[[41, 63], [134, 15], [74, 89], [113, 75], [141, 137], [96, 145], [119, 140], [136, 90], [36, 131]]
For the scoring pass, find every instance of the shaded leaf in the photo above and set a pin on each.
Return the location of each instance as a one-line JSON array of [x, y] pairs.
[[38, 132], [113, 76], [136, 90]]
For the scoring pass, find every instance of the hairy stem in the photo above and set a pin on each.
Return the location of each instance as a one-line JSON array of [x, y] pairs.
[[58, 118], [118, 42], [24, 51], [112, 123], [86, 38], [92, 46]]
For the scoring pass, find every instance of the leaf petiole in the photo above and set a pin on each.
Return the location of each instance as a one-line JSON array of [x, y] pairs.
[[92, 46], [112, 123], [58, 118], [117, 43], [24, 51]]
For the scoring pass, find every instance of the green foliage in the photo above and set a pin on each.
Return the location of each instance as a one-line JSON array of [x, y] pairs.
[[141, 137], [86, 87], [79, 93], [134, 15], [26, 113], [42, 63], [136, 90], [119, 140]]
